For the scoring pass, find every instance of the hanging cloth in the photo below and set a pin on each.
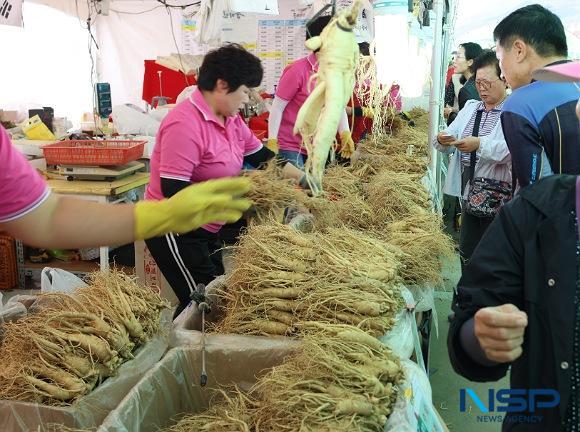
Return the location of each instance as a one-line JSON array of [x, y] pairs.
[[210, 18]]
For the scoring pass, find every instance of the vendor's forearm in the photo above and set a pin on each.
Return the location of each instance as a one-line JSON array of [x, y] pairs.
[[72, 223], [471, 346], [89, 223], [343, 123], [275, 116]]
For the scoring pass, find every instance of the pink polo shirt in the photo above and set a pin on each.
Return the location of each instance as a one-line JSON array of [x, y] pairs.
[[22, 189], [294, 88], [193, 146]]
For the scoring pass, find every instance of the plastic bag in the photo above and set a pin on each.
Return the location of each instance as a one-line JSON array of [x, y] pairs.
[[58, 280], [25, 299], [11, 311], [172, 388], [414, 410], [185, 93], [129, 120], [302, 222], [424, 298], [90, 410], [400, 338], [425, 301]]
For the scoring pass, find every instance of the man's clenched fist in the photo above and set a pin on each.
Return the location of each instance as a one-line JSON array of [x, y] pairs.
[[500, 332]]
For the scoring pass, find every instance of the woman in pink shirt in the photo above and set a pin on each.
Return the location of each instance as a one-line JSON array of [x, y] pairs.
[[291, 92], [203, 138], [29, 212]]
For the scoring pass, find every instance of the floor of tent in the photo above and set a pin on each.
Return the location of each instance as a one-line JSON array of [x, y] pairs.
[[445, 383]]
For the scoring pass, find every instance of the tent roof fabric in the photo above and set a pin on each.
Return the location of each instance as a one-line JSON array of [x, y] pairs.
[[475, 21]]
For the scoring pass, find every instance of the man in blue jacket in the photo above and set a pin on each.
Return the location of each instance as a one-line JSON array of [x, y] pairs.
[[538, 119], [519, 300]]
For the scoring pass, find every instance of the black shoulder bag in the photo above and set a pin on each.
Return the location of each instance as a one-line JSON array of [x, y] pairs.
[[485, 196]]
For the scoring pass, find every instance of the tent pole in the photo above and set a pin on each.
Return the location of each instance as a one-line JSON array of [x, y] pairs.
[[435, 97]]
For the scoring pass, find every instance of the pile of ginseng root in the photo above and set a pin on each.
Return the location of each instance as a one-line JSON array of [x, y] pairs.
[[373, 229], [340, 380], [392, 207], [282, 277], [69, 343], [381, 195], [271, 193], [336, 287]]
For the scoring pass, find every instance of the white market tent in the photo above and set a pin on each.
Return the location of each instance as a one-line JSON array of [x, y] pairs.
[[475, 21], [48, 63]]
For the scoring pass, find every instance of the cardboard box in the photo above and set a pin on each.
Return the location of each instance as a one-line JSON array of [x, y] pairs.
[[172, 387], [90, 410], [9, 116], [148, 273]]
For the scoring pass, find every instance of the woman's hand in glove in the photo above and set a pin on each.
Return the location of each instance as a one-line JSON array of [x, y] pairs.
[[346, 145], [368, 112], [272, 144], [193, 207]]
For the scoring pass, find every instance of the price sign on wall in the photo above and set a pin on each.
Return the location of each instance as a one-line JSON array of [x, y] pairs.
[[277, 40]]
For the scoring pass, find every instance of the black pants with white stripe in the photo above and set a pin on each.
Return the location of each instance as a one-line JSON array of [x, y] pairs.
[[187, 260]]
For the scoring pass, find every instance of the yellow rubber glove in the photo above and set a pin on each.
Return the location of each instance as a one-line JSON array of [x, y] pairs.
[[193, 207], [273, 145], [368, 112], [346, 145]]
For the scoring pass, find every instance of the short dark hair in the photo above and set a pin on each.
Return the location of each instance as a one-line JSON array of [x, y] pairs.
[[472, 50], [315, 27], [233, 64], [486, 58], [364, 48], [537, 27]]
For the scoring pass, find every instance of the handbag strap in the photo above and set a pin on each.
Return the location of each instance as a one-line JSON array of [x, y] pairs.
[[473, 154]]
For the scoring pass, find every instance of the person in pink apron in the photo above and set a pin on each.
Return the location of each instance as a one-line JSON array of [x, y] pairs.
[[291, 93], [31, 213], [203, 138]]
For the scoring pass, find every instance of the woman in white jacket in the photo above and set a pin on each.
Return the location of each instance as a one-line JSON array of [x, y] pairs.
[[493, 159]]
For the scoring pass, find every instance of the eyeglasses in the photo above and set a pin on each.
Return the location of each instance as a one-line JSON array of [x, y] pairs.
[[485, 84]]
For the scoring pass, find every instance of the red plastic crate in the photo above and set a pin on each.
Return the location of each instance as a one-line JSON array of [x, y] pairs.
[[93, 152], [260, 134]]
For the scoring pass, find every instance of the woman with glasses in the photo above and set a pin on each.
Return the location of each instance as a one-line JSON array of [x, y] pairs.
[[518, 305], [463, 79], [476, 137]]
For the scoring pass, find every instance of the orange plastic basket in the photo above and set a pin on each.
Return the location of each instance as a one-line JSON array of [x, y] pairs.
[[93, 152], [8, 266]]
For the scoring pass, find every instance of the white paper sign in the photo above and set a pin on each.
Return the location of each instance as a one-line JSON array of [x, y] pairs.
[[240, 28], [11, 12], [266, 7]]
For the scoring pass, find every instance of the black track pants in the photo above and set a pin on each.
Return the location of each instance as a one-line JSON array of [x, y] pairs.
[[187, 260]]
